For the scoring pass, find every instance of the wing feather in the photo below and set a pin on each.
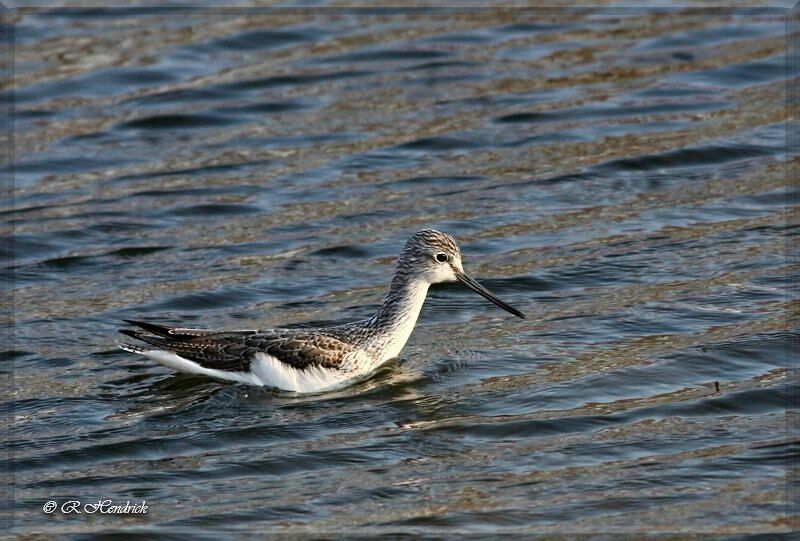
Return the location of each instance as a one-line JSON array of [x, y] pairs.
[[235, 350]]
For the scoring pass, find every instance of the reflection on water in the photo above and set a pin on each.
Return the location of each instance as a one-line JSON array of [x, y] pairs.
[[619, 175]]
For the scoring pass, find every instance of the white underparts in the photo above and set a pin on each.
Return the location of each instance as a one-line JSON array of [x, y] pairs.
[[265, 370]]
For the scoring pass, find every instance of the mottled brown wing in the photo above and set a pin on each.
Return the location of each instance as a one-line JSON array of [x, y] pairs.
[[211, 349], [301, 350], [234, 350]]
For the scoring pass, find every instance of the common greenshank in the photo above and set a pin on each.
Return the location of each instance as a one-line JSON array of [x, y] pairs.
[[316, 359]]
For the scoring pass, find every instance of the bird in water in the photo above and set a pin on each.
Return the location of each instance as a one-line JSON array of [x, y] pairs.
[[316, 359]]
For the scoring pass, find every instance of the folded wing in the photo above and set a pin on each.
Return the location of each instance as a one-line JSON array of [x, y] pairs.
[[235, 350]]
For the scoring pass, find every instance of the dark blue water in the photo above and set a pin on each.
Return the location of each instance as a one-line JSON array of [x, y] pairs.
[[622, 176]]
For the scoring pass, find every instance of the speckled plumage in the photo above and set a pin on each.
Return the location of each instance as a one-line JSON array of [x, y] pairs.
[[338, 353]]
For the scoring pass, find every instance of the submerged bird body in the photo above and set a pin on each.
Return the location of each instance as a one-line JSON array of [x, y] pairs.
[[316, 359]]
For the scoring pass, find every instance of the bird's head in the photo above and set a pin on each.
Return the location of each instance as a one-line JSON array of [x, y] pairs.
[[435, 257]]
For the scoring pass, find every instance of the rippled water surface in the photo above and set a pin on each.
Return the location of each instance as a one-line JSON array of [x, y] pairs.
[[619, 175]]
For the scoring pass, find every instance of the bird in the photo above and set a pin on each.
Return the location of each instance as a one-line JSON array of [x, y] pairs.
[[311, 360]]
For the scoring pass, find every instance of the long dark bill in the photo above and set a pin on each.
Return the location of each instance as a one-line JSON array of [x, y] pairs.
[[468, 281]]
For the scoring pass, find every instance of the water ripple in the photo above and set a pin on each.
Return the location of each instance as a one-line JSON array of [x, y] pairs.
[[621, 175]]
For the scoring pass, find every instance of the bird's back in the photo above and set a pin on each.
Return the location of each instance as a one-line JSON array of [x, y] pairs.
[[235, 350]]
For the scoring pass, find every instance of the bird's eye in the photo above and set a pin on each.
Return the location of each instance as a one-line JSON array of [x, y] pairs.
[[441, 258]]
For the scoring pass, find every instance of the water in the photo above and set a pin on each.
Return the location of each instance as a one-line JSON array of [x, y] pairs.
[[619, 175]]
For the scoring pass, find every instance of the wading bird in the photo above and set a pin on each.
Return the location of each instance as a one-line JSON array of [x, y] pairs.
[[316, 359]]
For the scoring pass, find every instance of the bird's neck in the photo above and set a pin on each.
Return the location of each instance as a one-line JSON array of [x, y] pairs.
[[397, 316]]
